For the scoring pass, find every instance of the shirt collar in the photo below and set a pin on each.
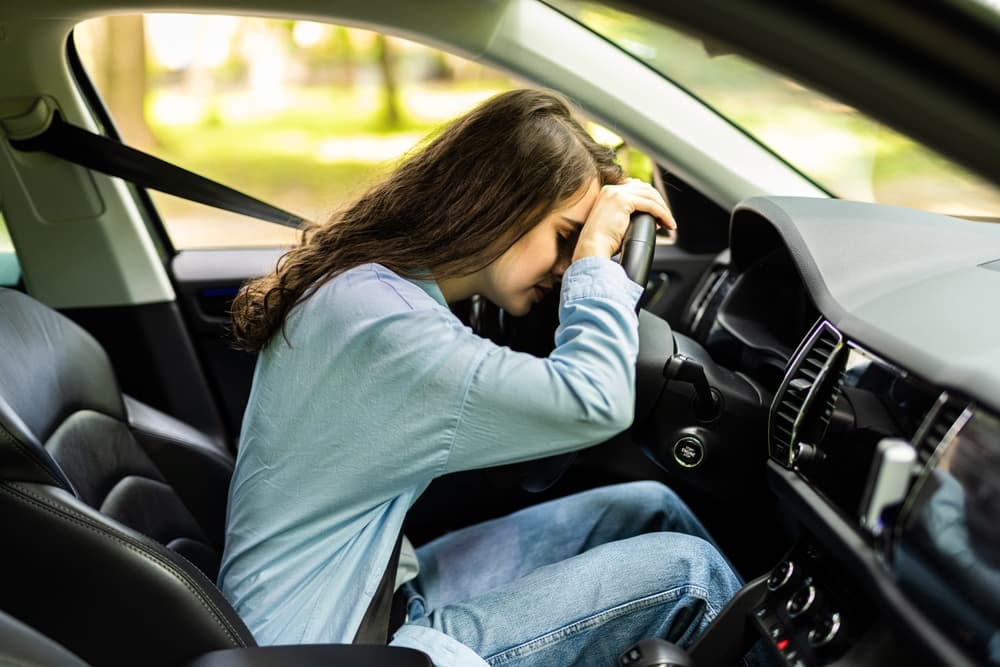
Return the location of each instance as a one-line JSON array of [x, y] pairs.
[[432, 289]]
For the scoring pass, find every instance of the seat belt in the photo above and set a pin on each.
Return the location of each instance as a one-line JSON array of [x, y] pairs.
[[374, 628], [94, 151], [108, 156]]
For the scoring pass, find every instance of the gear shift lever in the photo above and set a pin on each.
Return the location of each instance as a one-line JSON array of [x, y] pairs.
[[655, 653]]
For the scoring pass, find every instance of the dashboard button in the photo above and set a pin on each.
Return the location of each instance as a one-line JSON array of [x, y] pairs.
[[689, 452]]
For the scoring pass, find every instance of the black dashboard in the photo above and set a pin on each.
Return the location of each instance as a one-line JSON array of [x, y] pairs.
[[877, 332]]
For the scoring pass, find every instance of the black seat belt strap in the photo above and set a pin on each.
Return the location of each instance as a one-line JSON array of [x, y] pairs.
[[374, 628], [94, 151]]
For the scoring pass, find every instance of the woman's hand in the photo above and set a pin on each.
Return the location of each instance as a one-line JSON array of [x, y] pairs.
[[604, 229]]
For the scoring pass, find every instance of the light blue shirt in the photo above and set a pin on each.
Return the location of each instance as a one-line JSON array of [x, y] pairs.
[[375, 390]]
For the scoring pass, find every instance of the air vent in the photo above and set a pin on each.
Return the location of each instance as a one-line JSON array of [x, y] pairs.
[[806, 399], [710, 287], [941, 421]]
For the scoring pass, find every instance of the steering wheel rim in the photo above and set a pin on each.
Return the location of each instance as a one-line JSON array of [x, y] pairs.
[[638, 248]]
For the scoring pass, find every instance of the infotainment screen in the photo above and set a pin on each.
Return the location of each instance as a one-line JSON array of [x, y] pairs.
[[876, 400], [947, 550]]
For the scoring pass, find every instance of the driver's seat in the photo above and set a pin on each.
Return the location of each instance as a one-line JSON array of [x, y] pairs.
[[113, 515], [112, 512]]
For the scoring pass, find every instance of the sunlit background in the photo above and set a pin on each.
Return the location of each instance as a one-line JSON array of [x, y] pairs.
[[305, 115], [300, 114]]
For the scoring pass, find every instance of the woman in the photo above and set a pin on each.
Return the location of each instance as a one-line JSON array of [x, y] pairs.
[[367, 388]]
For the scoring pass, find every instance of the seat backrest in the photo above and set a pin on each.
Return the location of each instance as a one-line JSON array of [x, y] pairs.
[[113, 512]]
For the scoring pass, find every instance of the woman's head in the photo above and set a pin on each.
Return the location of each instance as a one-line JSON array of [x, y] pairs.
[[451, 208], [535, 263]]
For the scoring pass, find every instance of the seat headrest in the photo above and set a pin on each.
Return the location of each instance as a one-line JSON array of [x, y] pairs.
[[50, 368]]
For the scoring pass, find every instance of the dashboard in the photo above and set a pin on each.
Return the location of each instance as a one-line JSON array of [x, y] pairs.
[[877, 331]]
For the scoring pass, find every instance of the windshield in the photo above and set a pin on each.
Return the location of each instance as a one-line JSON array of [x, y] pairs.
[[835, 145]]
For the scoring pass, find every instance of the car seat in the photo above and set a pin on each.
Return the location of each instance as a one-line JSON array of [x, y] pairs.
[[88, 504], [26, 647], [113, 512]]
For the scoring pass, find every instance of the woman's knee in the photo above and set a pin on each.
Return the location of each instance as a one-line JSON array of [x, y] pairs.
[[679, 559], [645, 494]]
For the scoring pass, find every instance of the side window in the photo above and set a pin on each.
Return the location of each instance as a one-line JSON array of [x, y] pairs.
[[300, 114], [10, 268]]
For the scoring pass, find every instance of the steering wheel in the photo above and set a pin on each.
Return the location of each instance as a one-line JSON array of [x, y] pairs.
[[637, 259], [638, 248]]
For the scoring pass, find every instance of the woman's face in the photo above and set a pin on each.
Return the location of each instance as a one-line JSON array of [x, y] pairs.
[[534, 265]]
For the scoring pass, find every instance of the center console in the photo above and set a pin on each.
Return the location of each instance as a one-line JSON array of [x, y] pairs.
[[893, 485], [810, 613]]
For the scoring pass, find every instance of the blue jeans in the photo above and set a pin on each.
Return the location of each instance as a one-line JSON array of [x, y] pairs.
[[574, 581]]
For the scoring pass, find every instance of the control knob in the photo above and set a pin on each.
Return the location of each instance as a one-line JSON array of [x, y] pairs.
[[805, 600], [826, 631], [784, 577]]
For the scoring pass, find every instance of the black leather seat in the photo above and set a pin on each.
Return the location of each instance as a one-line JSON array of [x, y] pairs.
[[22, 646], [112, 512], [113, 516], [25, 647]]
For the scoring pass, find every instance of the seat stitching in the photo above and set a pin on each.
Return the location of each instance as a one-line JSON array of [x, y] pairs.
[[69, 514], [141, 549], [27, 452]]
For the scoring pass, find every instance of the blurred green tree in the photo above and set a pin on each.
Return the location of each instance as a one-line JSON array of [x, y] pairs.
[[122, 64], [391, 106]]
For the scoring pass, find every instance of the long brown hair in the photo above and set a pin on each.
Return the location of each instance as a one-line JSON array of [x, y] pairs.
[[449, 209]]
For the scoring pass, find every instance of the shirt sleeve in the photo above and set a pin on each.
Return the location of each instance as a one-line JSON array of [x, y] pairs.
[[518, 407]]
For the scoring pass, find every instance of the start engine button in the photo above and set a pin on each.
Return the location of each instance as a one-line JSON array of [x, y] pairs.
[[689, 452]]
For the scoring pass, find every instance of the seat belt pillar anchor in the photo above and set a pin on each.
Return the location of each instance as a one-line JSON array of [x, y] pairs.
[[30, 123]]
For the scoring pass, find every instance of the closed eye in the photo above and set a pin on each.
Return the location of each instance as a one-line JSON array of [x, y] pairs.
[[569, 237], [567, 242]]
